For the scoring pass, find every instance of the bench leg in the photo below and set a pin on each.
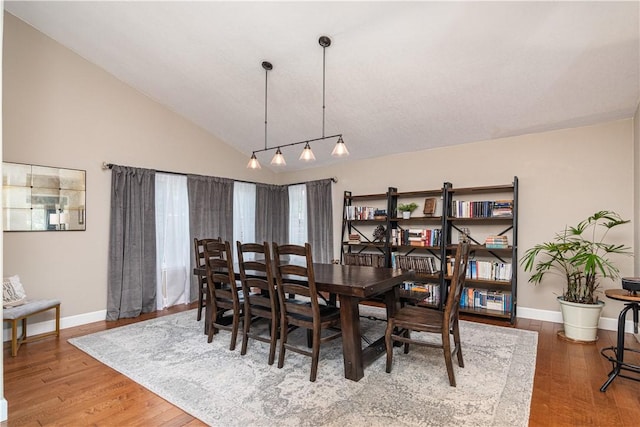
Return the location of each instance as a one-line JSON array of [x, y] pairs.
[[14, 338]]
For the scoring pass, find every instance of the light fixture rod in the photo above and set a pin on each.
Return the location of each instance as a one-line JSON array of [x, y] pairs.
[[299, 142], [267, 67], [324, 41]]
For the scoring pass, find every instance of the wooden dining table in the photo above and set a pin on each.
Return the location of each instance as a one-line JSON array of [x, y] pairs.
[[352, 284]]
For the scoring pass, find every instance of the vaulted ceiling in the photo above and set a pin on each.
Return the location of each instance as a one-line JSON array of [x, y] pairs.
[[400, 76]]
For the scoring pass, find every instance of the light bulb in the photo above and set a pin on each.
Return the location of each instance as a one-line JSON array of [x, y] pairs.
[[253, 162], [278, 159], [307, 154], [340, 150]]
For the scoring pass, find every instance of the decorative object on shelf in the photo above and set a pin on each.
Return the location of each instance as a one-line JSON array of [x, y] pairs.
[[463, 235], [430, 204], [379, 233], [406, 209], [340, 149], [581, 255]]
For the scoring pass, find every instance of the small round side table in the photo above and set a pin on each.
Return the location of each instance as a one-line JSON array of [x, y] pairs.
[[616, 354]]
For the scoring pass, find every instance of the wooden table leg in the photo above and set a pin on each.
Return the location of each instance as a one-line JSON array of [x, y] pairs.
[[351, 346]]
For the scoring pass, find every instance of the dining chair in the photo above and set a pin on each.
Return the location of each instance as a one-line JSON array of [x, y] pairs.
[[295, 276], [422, 319], [198, 247], [260, 297], [223, 292]]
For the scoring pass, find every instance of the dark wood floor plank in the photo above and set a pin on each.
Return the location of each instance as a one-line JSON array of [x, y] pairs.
[[53, 383]]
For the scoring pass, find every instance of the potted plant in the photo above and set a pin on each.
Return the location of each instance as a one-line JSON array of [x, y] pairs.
[[406, 209], [580, 255]]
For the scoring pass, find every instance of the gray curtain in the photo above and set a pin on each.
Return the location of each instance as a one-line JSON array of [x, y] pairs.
[[210, 212], [320, 220], [131, 282], [272, 213]]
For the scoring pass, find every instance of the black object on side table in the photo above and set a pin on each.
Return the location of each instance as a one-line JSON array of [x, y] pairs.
[[630, 295]]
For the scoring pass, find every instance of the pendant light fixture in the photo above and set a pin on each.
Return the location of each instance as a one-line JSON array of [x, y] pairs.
[[307, 155]]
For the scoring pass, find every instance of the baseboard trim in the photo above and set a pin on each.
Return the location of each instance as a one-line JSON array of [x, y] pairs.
[[4, 412], [65, 322], [605, 323]]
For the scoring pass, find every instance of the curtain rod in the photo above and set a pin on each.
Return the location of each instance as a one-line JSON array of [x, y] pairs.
[[106, 165]]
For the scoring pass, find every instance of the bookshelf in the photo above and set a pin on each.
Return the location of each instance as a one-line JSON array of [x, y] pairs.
[[487, 216]]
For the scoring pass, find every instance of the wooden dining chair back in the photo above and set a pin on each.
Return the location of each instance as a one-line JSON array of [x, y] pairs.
[[260, 297], [295, 276], [198, 248], [223, 292], [422, 319]]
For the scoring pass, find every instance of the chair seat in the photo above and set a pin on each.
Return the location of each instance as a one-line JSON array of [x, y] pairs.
[[327, 314]]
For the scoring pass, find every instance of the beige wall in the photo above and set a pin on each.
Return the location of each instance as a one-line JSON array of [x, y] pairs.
[[564, 176], [60, 110]]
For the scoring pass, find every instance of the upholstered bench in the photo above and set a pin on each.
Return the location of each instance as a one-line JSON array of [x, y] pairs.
[[21, 313]]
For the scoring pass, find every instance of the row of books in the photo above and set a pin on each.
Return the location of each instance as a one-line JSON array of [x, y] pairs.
[[484, 270], [420, 264], [371, 260], [416, 237], [486, 298], [496, 242], [482, 209], [426, 292], [364, 212]]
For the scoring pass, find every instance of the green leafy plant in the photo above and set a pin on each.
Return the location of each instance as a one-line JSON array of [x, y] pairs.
[[580, 254], [409, 207]]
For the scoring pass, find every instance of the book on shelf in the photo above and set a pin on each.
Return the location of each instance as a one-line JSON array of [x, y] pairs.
[[496, 242], [425, 292], [364, 213], [484, 270], [419, 264], [354, 238], [481, 208], [430, 204], [488, 299]]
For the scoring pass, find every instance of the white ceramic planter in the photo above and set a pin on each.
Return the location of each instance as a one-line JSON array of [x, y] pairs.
[[580, 320], [406, 214]]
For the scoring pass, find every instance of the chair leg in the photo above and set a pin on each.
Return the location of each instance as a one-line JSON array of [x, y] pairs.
[[407, 334], [284, 327], [456, 340], [315, 354], [446, 348], [273, 334], [246, 328], [235, 325], [309, 338], [389, 345], [200, 303]]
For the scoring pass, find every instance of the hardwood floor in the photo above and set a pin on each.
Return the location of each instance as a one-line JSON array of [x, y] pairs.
[[50, 382]]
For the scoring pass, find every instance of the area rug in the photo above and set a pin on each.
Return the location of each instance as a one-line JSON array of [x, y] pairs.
[[171, 357]]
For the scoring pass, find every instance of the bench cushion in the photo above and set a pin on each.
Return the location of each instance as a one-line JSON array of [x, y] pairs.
[[30, 307]]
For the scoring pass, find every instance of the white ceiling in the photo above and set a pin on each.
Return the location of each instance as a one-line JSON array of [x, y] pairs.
[[400, 76]]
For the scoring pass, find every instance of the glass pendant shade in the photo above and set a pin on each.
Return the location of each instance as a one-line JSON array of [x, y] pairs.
[[307, 154], [340, 150], [253, 162], [278, 159]]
